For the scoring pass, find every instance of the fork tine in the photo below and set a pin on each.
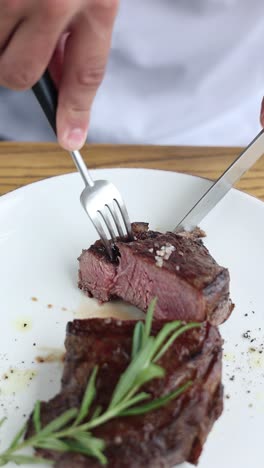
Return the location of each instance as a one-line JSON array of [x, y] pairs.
[[98, 225], [108, 223], [113, 211], [124, 214]]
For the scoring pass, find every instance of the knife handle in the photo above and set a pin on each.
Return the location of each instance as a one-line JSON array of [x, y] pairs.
[[47, 96]]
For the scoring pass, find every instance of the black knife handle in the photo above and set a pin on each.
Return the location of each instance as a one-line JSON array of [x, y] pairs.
[[47, 96]]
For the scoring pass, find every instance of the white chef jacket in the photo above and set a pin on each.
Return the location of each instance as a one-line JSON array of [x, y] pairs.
[[185, 72]]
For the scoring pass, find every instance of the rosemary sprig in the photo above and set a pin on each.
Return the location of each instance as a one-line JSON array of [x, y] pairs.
[[71, 431]]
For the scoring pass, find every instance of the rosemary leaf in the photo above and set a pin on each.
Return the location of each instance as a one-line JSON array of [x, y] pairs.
[[36, 416], [3, 460], [129, 376], [149, 319], [137, 339], [26, 459], [3, 420], [17, 437], [133, 401], [88, 398], [174, 336], [157, 403], [89, 441], [51, 443], [58, 423], [111, 413], [151, 372], [100, 456], [90, 448], [97, 412], [164, 333]]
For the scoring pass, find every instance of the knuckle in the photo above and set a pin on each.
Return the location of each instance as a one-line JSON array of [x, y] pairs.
[[10, 7], [90, 77], [75, 108], [54, 9], [106, 4], [18, 78]]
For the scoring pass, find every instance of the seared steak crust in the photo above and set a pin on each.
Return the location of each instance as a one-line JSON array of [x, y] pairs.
[[177, 269], [161, 438]]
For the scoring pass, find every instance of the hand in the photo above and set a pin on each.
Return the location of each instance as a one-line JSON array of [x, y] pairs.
[[73, 38]]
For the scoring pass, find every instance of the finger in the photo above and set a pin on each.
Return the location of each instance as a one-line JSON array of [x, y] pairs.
[[30, 49], [85, 58], [8, 26], [56, 62], [262, 113], [12, 15]]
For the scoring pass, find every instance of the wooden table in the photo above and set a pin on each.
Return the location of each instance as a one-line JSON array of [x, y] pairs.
[[23, 163]]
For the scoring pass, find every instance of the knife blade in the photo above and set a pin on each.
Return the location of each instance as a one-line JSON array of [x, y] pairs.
[[223, 184]]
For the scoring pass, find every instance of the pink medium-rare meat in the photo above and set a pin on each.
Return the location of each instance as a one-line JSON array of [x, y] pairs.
[[177, 269]]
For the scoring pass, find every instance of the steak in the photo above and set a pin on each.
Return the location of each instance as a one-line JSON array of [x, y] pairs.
[[176, 268], [163, 437]]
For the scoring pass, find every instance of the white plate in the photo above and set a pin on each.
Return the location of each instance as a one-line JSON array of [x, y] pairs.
[[42, 231]]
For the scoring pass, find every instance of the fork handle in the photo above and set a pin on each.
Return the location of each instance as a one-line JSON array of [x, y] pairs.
[[47, 96]]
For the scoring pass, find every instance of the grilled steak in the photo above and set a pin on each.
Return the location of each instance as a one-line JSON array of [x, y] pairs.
[[163, 437], [177, 269]]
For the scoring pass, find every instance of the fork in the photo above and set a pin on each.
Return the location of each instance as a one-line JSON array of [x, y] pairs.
[[100, 198]]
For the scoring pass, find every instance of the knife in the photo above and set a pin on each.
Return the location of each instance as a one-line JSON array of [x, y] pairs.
[[222, 185]]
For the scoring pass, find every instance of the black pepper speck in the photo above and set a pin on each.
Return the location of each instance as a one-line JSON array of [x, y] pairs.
[[246, 334]]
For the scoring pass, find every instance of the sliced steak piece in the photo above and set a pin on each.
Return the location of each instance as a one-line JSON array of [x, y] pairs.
[[161, 438], [177, 269]]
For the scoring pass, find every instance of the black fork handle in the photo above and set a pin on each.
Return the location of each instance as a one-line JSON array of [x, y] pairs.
[[47, 96]]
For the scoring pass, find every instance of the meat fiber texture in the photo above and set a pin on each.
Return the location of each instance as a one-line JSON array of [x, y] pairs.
[[176, 268], [163, 437]]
